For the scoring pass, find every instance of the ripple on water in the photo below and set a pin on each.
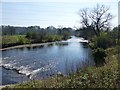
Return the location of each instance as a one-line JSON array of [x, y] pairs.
[[41, 61]]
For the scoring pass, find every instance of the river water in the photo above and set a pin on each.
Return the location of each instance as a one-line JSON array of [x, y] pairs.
[[24, 64]]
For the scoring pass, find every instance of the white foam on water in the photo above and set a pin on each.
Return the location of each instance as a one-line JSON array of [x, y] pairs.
[[75, 39], [45, 68], [9, 66], [5, 57], [22, 70], [37, 70], [26, 69]]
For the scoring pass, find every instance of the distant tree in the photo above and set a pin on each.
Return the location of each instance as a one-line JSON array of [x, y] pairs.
[[66, 33], [8, 30], [59, 31], [98, 17], [31, 35], [12, 30], [86, 32]]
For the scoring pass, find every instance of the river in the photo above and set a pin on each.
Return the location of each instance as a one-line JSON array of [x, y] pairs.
[[39, 62]]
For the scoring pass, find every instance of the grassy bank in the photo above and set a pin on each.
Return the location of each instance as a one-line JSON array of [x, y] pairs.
[[14, 40], [90, 77], [8, 41]]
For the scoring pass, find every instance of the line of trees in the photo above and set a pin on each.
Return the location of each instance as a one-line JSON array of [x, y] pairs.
[[11, 30], [33, 34]]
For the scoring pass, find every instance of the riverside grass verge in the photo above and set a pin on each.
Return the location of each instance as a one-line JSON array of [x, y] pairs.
[[15, 40], [106, 76], [9, 41]]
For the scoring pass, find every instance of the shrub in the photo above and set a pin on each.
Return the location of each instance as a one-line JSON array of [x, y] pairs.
[[31, 35], [22, 40], [103, 41], [99, 56]]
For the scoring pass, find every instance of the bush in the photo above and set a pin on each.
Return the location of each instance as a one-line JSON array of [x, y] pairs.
[[31, 35], [103, 41], [50, 38], [22, 40], [99, 56]]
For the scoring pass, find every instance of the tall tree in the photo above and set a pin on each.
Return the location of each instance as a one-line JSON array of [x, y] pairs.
[[98, 17]]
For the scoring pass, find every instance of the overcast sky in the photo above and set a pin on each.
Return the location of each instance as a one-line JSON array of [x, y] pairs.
[[50, 12]]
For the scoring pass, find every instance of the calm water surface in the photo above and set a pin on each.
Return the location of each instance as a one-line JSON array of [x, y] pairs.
[[39, 62]]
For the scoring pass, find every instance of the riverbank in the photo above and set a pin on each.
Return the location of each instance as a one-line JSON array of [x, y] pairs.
[[39, 44], [27, 45], [14, 40], [90, 77], [19, 41]]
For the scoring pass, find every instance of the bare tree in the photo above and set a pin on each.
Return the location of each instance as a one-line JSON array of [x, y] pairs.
[[84, 16], [98, 17]]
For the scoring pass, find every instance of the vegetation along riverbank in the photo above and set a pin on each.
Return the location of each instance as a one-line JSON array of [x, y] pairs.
[[11, 36]]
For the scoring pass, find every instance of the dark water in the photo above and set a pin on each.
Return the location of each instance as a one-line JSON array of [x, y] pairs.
[[42, 61]]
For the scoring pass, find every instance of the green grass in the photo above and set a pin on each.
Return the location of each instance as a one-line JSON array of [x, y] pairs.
[[8, 41], [52, 38], [14, 40], [90, 77]]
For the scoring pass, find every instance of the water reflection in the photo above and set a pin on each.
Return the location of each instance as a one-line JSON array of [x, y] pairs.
[[49, 45], [85, 45], [62, 43], [28, 48]]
